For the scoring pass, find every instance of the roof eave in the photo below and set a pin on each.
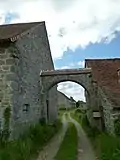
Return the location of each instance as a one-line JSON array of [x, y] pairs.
[[5, 42]]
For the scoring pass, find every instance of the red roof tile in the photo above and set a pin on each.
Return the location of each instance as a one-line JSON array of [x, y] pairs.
[[104, 71], [11, 30]]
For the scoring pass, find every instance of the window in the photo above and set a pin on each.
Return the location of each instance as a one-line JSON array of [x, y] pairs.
[[26, 107]]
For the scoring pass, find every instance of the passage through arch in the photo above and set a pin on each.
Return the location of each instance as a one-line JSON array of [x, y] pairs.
[[83, 77], [49, 79], [71, 90], [80, 76]]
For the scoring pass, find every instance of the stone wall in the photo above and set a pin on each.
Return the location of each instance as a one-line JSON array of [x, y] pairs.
[[107, 111], [95, 100], [20, 78], [63, 101], [35, 56], [6, 81], [53, 79], [53, 107], [91, 103]]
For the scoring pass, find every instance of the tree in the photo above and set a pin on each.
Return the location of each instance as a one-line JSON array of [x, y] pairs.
[[72, 100], [77, 104]]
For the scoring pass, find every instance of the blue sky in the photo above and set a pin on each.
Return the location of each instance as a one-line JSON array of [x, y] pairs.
[[92, 51], [92, 34], [95, 51], [10, 16]]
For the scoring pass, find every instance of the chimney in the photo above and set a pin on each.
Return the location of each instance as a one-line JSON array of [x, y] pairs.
[[118, 73]]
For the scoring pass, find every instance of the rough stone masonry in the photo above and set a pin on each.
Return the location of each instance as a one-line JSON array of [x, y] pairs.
[[24, 53]]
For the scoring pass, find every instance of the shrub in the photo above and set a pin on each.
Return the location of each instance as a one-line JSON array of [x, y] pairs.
[[78, 110], [85, 121], [63, 109], [117, 126], [29, 143], [42, 121], [108, 146]]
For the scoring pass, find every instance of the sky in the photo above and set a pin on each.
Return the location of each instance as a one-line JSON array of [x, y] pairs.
[[77, 30]]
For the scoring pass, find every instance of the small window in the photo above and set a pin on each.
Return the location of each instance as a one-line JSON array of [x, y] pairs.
[[26, 107]]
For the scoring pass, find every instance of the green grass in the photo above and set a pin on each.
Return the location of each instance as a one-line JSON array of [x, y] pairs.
[[107, 147], [30, 143], [76, 116], [68, 148], [66, 116], [60, 113]]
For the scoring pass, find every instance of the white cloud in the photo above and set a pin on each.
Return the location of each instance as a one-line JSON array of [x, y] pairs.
[[2, 17], [69, 23], [73, 65], [72, 89], [64, 67], [81, 64]]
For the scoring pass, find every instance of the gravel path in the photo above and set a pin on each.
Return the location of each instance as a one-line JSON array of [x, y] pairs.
[[49, 151], [85, 151]]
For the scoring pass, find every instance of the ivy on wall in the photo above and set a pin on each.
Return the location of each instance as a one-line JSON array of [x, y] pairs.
[[6, 117], [117, 126], [5, 132]]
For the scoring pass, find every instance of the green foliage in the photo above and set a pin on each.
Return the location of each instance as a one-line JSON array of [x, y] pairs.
[[60, 113], [117, 126], [4, 136], [77, 104], [78, 110], [62, 109], [43, 121], [28, 145], [85, 122], [68, 148], [6, 117], [107, 147], [4, 133]]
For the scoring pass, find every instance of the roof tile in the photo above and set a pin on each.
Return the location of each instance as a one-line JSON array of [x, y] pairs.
[[12, 30]]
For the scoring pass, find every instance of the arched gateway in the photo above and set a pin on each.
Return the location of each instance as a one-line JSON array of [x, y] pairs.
[[80, 76], [51, 78], [83, 77]]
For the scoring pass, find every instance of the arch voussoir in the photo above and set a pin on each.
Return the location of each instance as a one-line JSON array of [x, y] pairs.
[[52, 78]]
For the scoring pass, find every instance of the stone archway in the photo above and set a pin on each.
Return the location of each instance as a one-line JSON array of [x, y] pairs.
[[80, 76], [49, 79]]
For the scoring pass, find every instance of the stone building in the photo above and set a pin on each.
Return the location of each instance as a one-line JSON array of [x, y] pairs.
[[24, 53], [105, 97], [64, 101], [26, 95]]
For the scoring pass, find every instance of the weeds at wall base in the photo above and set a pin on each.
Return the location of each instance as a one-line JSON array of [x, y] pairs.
[[28, 145], [107, 147], [5, 133]]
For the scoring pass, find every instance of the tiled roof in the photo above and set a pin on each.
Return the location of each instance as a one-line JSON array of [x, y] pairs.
[[104, 71], [11, 30]]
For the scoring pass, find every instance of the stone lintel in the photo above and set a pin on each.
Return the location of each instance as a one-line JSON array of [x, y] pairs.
[[66, 72]]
